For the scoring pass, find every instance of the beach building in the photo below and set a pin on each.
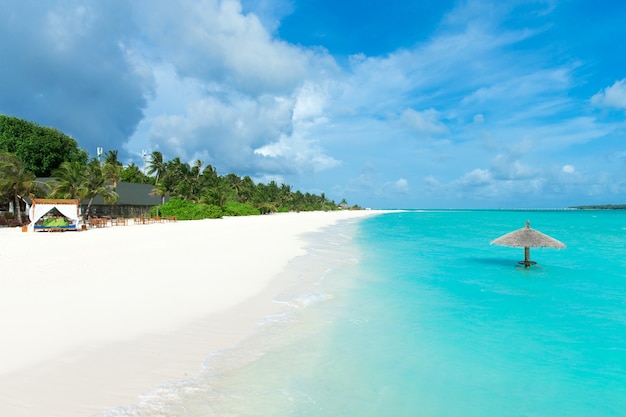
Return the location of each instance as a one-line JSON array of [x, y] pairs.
[[135, 200]]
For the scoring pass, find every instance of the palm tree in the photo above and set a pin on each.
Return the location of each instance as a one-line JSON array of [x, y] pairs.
[[235, 184], [112, 173], [161, 190], [69, 181], [197, 168], [195, 180], [15, 181], [111, 158], [180, 176], [95, 183], [208, 179], [286, 196], [218, 193], [264, 197], [248, 189], [156, 165], [132, 173], [298, 200], [209, 175], [273, 192]]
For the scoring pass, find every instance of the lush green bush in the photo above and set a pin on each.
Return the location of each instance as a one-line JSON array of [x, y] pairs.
[[186, 210], [267, 208], [41, 149], [234, 208]]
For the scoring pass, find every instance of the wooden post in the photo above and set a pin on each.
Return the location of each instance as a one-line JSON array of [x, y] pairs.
[[527, 256], [527, 262]]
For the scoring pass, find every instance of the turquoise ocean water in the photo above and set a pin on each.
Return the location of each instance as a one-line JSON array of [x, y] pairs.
[[416, 314]]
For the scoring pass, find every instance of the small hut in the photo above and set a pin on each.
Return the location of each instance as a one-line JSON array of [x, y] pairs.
[[53, 215], [527, 238]]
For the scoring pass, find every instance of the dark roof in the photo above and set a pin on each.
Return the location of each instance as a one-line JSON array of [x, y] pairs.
[[131, 194]]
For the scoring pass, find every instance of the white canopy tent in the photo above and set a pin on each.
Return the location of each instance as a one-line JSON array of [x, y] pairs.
[[42, 206]]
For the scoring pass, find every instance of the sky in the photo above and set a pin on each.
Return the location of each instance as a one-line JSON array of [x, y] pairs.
[[387, 104]]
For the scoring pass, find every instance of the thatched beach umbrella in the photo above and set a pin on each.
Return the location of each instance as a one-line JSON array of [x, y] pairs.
[[527, 238]]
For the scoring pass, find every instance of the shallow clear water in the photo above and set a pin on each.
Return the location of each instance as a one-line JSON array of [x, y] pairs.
[[418, 315]]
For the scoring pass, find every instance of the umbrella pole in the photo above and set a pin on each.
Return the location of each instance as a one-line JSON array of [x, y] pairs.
[[527, 262], [527, 256]]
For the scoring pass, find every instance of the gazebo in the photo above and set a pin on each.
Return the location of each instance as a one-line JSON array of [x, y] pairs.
[[42, 218]]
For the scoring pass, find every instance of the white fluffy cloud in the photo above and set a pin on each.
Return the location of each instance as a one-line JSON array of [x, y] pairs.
[[229, 130], [215, 42], [613, 96], [310, 103], [69, 68], [300, 154], [227, 90]]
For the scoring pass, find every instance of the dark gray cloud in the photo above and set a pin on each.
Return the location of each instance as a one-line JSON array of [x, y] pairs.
[[66, 65]]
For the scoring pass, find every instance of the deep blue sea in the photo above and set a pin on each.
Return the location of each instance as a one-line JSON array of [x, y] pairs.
[[415, 314]]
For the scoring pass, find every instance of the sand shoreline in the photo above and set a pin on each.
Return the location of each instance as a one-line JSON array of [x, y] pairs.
[[97, 318]]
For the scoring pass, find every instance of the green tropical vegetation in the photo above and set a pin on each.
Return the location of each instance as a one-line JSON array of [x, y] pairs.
[[28, 151], [83, 182], [601, 207], [15, 181], [229, 194], [186, 210], [41, 149]]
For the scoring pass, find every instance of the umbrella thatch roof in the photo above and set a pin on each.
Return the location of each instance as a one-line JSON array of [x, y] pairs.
[[527, 238]]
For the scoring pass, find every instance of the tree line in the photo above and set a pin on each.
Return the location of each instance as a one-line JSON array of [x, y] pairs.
[[29, 151], [601, 207]]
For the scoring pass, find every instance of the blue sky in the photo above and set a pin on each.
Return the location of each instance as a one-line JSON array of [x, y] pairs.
[[388, 104]]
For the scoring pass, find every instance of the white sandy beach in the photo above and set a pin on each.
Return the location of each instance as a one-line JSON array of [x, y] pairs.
[[91, 320]]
